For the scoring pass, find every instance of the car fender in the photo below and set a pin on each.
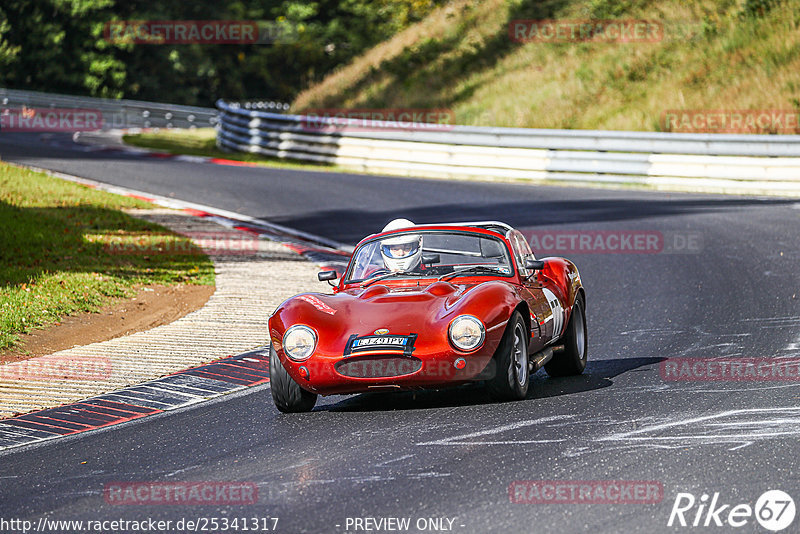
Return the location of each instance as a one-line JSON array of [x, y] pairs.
[[564, 274]]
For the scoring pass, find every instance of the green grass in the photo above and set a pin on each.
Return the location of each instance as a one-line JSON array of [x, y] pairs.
[[202, 142], [66, 248], [728, 54]]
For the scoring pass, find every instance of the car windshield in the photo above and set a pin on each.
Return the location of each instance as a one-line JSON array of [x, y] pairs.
[[440, 253]]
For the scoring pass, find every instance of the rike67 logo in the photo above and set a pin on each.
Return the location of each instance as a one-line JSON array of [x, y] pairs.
[[774, 510]]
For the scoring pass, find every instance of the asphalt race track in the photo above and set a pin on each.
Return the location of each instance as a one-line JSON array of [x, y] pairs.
[[453, 454]]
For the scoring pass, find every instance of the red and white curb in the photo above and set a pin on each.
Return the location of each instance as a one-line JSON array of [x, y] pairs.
[[121, 147], [182, 388], [149, 398]]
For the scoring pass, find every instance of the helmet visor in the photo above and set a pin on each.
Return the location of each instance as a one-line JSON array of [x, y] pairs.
[[400, 250]]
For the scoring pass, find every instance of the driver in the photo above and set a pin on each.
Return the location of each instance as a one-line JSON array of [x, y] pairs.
[[402, 252]]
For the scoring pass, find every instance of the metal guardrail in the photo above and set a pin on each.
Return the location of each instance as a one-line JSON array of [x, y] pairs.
[[739, 163], [116, 114], [271, 106]]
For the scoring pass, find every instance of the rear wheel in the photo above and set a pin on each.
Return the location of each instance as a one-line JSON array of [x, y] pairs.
[[287, 394], [512, 377], [572, 360]]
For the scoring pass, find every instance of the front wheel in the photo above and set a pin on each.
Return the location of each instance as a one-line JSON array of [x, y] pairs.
[[287, 394], [512, 377], [572, 360]]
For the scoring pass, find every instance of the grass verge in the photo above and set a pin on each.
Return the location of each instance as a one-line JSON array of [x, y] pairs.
[[202, 142], [67, 248], [712, 55]]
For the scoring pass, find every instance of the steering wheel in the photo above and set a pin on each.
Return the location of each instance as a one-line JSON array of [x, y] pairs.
[[377, 272]]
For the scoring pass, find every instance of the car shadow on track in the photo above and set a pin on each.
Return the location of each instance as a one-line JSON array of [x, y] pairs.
[[598, 374], [560, 208]]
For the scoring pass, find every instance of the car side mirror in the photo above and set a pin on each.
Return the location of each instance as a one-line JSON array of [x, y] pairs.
[[429, 259], [327, 276], [534, 265]]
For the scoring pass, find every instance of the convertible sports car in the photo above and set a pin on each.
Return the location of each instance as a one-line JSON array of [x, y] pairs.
[[423, 306]]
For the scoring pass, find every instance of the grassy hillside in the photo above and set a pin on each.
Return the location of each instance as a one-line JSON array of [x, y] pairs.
[[729, 54]]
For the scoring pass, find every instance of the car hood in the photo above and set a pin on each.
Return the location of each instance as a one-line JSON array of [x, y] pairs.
[[398, 309]]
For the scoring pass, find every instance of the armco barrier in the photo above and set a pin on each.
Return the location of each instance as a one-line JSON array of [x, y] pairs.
[[116, 114], [761, 164]]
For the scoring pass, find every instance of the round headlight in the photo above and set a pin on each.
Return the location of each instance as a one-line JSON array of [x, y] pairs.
[[299, 342], [466, 332]]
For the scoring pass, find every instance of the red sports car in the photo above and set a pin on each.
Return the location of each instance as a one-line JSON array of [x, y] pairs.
[[427, 306]]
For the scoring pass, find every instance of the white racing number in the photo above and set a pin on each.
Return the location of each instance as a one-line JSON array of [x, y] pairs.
[[556, 309]]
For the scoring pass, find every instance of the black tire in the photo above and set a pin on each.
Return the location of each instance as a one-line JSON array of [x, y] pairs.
[[512, 375], [571, 360], [287, 394]]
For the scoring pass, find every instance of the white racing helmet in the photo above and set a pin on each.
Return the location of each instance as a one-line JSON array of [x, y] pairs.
[[402, 252]]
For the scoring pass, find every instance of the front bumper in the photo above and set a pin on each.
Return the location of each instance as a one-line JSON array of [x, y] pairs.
[[336, 374]]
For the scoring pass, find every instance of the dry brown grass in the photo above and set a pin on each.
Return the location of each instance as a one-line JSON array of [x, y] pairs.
[[435, 26], [460, 57]]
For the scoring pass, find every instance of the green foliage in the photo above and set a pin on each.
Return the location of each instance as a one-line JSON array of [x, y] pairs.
[[8, 52], [758, 8], [57, 45], [60, 46], [609, 9]]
